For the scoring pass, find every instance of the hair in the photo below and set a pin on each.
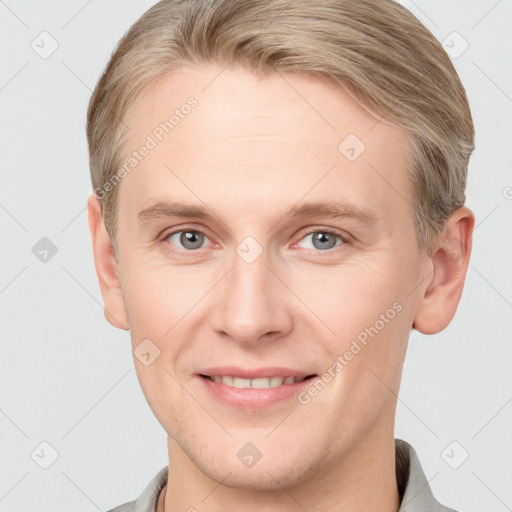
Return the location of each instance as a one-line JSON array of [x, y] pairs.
[[376, 50]]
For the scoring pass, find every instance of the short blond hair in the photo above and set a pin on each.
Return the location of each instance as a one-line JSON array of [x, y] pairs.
[[375, 49]]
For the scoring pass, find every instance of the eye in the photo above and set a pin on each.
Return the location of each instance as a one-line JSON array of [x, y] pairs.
[[188, 239], [322, 240]]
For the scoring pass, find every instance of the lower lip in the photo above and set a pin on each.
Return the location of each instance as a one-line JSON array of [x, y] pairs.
[[251, 398]]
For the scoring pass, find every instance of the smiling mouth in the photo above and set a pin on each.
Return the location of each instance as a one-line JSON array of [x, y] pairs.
[[258, 383]]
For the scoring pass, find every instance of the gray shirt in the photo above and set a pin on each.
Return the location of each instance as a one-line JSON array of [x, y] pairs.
[[415, 492]]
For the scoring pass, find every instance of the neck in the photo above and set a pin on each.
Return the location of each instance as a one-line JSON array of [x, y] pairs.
[[362, 479]]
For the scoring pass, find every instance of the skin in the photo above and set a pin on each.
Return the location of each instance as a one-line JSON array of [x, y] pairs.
[[251, 149]]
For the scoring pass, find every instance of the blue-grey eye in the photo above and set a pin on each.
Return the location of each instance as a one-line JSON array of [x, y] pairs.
[[188, 239], [323, 240]]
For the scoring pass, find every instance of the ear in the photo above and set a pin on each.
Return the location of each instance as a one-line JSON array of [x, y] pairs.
[[106, 267], [450, 260]]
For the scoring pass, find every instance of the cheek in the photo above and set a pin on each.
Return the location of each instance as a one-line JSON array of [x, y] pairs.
[[158, 302], [354, 297], [164, 306], [156, 299], [368, 310]]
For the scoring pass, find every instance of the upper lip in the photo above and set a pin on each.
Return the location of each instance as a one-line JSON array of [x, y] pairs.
[[254, 373]]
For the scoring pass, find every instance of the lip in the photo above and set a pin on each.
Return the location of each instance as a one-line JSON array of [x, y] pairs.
[[254, 373], [249, 398]]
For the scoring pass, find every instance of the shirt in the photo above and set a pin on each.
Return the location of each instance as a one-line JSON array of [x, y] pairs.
[[413, 487]]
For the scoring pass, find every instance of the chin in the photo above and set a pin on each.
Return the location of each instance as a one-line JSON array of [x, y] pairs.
[[258, 480], [272, 474]]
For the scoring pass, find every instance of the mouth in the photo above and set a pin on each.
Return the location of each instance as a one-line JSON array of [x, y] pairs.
[[253, 389], [257, 383]]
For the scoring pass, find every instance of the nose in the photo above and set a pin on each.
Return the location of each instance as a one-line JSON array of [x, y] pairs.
[[252, 303]]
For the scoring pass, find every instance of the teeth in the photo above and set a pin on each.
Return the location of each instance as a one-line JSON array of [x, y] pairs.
[[276, 381], [265, 383], [227, 380], [259, 383], [238, 382]]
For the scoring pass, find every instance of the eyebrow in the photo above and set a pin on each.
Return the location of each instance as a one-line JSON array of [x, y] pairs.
[[165, 209]]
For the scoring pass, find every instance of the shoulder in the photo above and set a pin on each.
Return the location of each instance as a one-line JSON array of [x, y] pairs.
[[148, 500], [126, 507], [415, 492]]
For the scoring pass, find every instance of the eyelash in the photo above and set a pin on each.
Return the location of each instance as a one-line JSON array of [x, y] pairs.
[[344, 239]]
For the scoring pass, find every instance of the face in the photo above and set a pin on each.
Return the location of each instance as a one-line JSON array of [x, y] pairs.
[[267, 240]]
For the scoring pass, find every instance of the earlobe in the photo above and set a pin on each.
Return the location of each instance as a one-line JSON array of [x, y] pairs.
[[106, 267], [450, 261]]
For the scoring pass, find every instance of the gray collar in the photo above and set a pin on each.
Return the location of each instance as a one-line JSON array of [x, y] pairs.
[[413, 485]]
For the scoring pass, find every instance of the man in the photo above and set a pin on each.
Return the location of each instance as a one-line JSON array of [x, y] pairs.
[[278, 200]]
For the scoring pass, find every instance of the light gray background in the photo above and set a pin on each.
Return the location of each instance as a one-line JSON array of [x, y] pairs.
[[67, 377]]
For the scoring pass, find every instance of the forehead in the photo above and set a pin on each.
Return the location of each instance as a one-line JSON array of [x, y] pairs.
[[265, 140]]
